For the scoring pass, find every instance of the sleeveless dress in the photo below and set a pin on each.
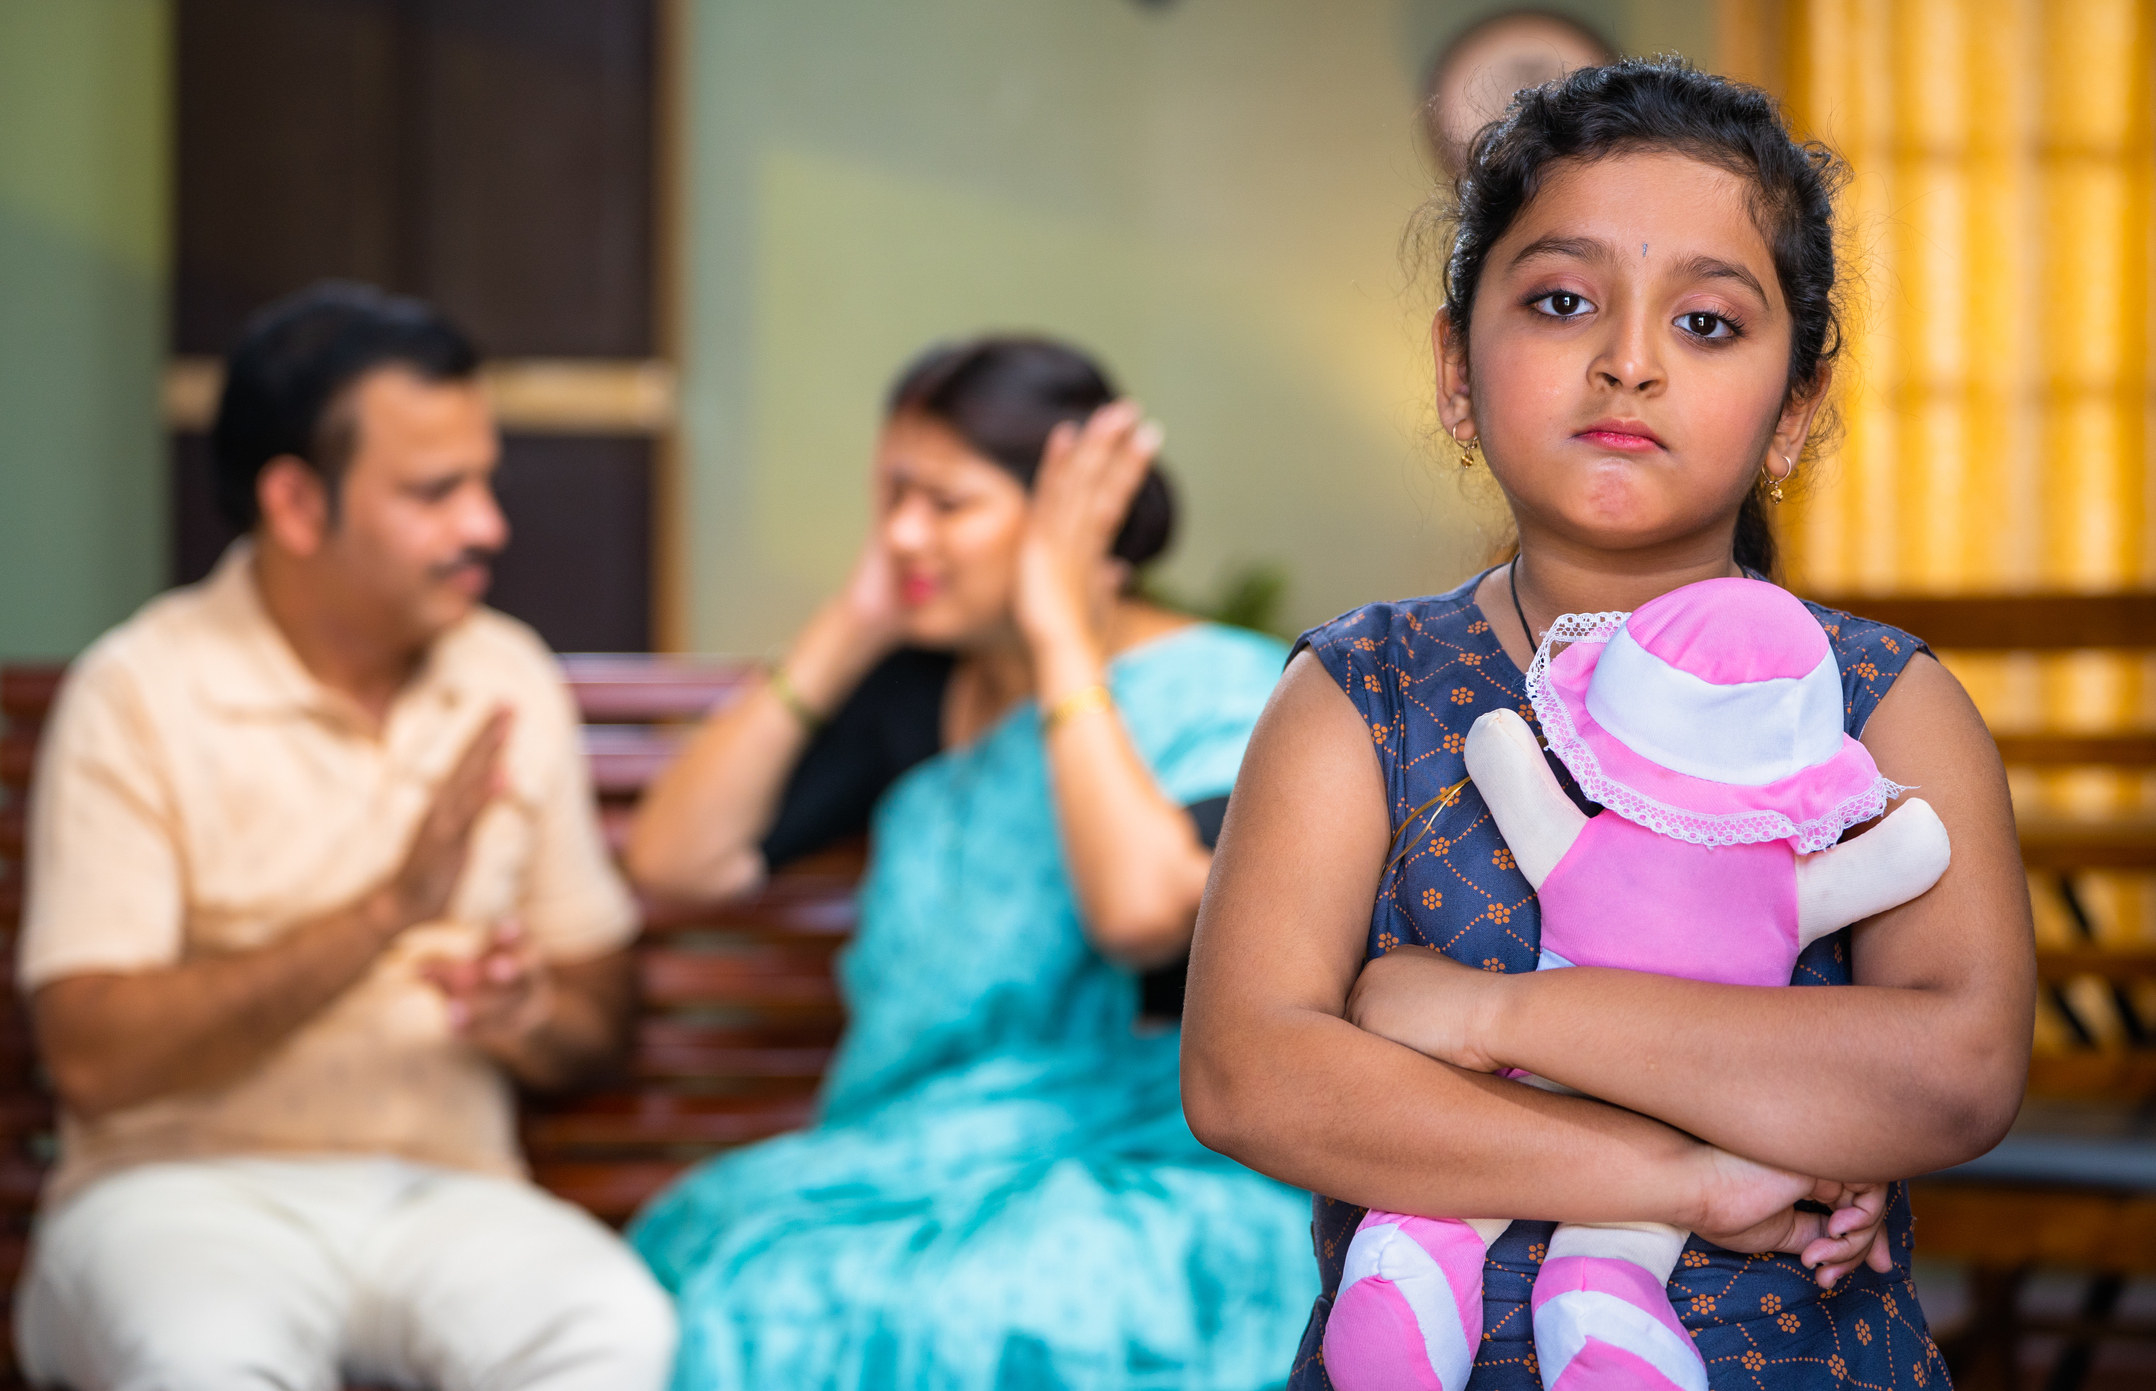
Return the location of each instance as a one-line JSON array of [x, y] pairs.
[[1421, 671], [1001, 1192]]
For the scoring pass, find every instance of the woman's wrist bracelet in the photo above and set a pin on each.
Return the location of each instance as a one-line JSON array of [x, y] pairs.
[[1084, 700], [782, 686]]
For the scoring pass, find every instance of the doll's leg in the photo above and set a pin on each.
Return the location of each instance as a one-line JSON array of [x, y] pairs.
[[1409, 1310], [1603, 1320]]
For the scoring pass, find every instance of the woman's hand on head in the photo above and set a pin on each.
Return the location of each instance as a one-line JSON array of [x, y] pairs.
[[1088, 476], [1748, 1206], [870, 601]]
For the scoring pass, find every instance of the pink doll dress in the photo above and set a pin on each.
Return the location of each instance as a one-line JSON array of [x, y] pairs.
[[1637, 900]]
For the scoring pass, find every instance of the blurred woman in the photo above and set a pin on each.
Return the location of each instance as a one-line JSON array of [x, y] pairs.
[[1001, 1191]]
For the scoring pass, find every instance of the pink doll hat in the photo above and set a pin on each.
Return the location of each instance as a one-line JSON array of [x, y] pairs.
[[1712, 714]]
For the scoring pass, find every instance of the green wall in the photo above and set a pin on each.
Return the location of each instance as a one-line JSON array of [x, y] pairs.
[[1210, 195], [83, 180]]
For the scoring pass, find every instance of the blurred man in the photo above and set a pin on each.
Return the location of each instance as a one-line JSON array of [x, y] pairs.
[[314, 873]]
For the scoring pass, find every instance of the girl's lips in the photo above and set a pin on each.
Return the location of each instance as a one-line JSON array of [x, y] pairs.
[[1619, 439], [917, 589]]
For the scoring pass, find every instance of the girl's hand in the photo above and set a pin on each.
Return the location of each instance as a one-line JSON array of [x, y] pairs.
[[1087, 479], [1853, 1234], [1424, 1000], [1746, 1206]]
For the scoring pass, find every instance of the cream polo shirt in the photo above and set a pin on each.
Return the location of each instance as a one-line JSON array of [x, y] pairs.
[[197, 792]]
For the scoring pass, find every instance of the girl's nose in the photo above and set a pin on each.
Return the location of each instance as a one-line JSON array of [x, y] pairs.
[[1630, 359]]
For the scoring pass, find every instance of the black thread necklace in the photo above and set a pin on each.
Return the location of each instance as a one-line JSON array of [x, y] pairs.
[[1512, 582]]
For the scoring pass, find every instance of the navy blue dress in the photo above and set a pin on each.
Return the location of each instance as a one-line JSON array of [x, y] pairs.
[[1422, 671]]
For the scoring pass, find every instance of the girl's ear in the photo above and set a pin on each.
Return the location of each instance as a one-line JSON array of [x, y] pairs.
[[1455, 406], [1795, 425]]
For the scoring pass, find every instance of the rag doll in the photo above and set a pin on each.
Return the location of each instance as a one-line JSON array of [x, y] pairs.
[[1708, 726]]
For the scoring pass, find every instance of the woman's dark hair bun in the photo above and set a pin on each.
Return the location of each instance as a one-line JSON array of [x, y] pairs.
[[1003, 394], [1642, 104]]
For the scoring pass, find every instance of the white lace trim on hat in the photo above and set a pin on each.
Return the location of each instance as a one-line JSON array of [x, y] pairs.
[[1693, 827]]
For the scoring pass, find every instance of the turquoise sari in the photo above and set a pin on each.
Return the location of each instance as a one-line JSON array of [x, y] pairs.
[[1001, 1192]]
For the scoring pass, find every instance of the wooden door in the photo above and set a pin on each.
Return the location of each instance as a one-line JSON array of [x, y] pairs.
[[494, 156]]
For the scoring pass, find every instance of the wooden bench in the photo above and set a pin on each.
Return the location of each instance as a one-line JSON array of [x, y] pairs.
[[739, 1011], [2074, 1185], [738, 1017]]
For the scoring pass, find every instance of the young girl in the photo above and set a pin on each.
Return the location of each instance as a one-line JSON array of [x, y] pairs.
[[1638, 334]]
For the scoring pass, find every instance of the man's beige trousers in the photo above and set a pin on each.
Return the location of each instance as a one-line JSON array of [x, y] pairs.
[[252, 1274]]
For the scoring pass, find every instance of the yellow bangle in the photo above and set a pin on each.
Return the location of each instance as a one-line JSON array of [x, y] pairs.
[[783, 688], [1084, 700]]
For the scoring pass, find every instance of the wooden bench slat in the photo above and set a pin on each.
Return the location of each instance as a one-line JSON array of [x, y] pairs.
[[611, 1190], [24, 1114], [2053, 622], [2127, 964], [20, 1180], [18, 756], [636, 689], [2049, 750], [2093, 1074], [27, 690], [2007, 1226], [765, 976], [2063, 843], [643, 1121], [810, 910], [675, 1049], [625, 758]]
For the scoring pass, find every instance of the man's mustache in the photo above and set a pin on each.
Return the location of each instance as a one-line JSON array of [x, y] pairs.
[[471, 558]]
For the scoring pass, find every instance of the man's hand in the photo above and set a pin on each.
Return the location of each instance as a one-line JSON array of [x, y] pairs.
[[118, 1039], [551, 1024], [1424, 1000], [499, 999], [421, 888]]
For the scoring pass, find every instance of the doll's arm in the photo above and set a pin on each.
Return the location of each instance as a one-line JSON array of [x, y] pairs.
[[1537, 819], [1893, 862]]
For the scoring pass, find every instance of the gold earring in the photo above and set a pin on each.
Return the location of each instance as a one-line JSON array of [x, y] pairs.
[[1470, 451], [1774, 485]]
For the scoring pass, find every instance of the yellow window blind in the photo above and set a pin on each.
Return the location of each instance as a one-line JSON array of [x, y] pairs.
[[1998, 397]]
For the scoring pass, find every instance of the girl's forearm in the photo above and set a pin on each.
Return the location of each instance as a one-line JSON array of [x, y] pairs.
[[1319, 1103], [1857, 1082]]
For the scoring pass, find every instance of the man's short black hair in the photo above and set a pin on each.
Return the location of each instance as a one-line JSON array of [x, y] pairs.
[[295, 361]]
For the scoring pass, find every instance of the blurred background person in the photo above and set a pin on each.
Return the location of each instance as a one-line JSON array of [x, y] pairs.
[[316, 876], [1001, 1190]]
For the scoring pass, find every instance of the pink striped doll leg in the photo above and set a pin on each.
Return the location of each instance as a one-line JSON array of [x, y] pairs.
[[1408, 1316], [1603, 1320]]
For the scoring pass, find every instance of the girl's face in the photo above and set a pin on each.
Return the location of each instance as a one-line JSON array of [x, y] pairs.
[[1628, 357], [951, 523]]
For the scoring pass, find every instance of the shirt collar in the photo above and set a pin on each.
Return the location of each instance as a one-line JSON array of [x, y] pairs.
[[252, 668]]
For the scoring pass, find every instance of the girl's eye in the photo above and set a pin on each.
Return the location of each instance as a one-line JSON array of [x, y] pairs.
[[1700, 324], [1562, 304]]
